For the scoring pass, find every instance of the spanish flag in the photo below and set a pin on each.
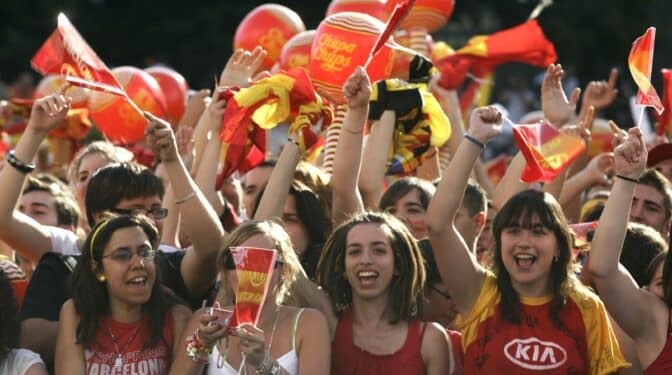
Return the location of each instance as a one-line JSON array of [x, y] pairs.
[[664, 124], [254, 268], [640, 62], [524, 43], [547, 151], [282, 97], [66, 52]]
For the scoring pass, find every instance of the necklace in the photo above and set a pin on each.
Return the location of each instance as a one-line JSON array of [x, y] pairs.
[[221, 358], [119, 361]]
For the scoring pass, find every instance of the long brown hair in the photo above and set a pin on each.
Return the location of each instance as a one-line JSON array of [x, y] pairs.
[[406, 288], [525, 209]]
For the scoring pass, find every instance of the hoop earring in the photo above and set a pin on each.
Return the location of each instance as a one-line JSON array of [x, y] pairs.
[[101, 278], [555, 258]]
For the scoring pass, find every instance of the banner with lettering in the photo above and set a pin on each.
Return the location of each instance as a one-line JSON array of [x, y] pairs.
[[547, 151], [254, 268]]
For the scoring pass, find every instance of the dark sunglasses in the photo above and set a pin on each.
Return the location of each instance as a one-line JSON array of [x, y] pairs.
[[157, 213], [125, 255]]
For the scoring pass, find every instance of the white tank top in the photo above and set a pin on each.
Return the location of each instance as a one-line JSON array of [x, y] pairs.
[[288, 361]]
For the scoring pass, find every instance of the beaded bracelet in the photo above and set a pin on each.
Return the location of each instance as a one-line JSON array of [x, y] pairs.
[[197, 351]]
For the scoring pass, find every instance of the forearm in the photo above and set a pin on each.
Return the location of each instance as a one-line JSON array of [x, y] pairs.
[[347, 163], [200, 142], [39, 335], [510, 183], [171, 225], [374, 160], [608, 239], [573, 188], [199, 218], [277, 188], [555, 187], [206, 175], [450, 191]]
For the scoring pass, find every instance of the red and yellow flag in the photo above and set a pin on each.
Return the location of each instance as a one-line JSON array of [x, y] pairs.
[[547, 151], [65, 52], [254, 268], [524, 43], [282, 97], [640, 62], [664, 124], [496, 169]]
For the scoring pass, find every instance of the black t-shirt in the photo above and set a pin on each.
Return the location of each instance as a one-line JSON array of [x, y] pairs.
[[48, 287]]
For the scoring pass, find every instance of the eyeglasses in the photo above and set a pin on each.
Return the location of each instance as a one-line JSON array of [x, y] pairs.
[[157, 213], [441, 293], [125, 255]]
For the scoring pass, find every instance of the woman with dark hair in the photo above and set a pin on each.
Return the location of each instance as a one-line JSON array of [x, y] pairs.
[[119, 319], [643, 316], [13, 360], [408, 199], [286, 340], [371, 267], [654, 275], [531, 313], [306, 222]]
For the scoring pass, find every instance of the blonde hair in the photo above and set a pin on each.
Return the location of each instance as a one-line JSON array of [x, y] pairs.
[[112, 153], [282, 243]]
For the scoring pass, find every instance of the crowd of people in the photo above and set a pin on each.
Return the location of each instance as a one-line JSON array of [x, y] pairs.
[[434, 272]]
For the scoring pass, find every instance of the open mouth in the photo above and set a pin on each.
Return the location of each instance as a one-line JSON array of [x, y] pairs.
[[367, 278], [525, 260], [138, 281]]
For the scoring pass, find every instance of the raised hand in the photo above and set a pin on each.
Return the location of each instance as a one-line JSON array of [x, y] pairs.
[[48, 113], [214, 113], [242, 67], [582, 129], [209, 331], [160, 138], [485, 123], [557, 109], [619, 134], [600, 169], [630, 156], [195, 107], [600, 94], [357, 89]]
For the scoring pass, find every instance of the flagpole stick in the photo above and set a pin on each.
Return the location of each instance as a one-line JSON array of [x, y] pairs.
[[135, 106], [641, 117]]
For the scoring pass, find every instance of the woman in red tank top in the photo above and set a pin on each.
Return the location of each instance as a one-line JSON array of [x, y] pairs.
[[642, 315], [119, 319]]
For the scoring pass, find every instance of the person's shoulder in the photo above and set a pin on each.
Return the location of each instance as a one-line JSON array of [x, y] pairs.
[[582, 295], [310, 321], [180, 312], [434, 331]]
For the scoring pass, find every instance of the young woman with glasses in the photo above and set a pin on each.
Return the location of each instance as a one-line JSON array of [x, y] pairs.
[[286, 340], [120, 319]]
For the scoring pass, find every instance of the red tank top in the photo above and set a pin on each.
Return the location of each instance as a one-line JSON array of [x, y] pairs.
[[663, 363], [348, 359], [103, 356]]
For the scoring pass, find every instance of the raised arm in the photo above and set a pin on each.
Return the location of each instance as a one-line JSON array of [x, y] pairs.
[[200, 220], [23, 234], [277, 187], [69, 354], [458, 268], [347, 163], [375, 158], [206, 173], [639, 313]]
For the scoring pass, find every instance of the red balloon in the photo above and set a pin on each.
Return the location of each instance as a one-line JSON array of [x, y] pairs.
[[428, 15], [53, 84], [374, 8], [269, 26], [115, 117], [174, 88], [342, 42], [296, 52]]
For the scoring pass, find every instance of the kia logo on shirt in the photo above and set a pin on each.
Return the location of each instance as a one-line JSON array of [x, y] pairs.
[[534, 354]]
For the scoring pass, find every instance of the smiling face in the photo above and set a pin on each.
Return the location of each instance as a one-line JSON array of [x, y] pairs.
[[369, 261], [129, 282], [527, 254]]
